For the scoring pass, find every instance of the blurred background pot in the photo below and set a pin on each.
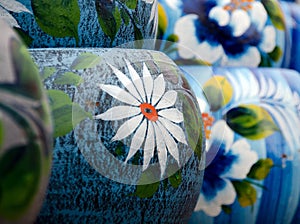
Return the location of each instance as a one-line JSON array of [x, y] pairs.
[[25, 133], [81, 23], [128, 137], [228, 33], [251, 119]]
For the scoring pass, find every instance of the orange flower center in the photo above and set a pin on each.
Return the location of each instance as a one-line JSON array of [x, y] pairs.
[[239, 4], [208, 122], [149, 111]]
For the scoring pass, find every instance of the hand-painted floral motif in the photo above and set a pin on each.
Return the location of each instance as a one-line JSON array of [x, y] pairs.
[[226, 32], [232, 161], [232, 33], [152, 118]]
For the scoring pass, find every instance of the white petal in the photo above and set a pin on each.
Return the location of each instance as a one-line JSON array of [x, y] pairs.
[[137, 81], [221, 133], [168, 100], [13, 6], [149, 146], [8, 18], [161, 150], [245, 159], [118, 112], [268, 39], [209, 53], [223, 2], [213, 207], [258, 15], [186, 32], [240, 22], [128, 127], [158, 89], [220, 15], [170, 142], [126, 82], [120, 94], [174, 129], [227, 195], [172, 114], [148, 82], [210, 208], [251, 57], [137, 140]]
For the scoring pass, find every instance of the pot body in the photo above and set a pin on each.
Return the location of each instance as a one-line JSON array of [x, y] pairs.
[[81, 23], [94, 180], [260, 108], [25, 133]]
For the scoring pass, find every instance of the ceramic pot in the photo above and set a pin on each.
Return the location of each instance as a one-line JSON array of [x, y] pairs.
[[252, 120], [225, 33], [129, 142], [81, 23], [25, 133]]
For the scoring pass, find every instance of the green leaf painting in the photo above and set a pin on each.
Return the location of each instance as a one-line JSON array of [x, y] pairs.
[[47, 72], [26, 72], [66, 115], [109, 18], [131, 4], [147, 190], [275, 13], [85, 60], [69, 78], [251, 121], [20, 169], [261, 169], [218, 92], [246, 193], [193, 124], [56, 17], [276, 54]]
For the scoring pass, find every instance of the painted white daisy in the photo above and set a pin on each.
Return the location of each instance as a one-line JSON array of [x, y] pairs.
[[152, 118], [7, 6]]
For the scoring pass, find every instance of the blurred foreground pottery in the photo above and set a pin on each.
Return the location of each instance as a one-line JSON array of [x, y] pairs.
[[128, 137], [25, 133], [252, 119], [81, 23]]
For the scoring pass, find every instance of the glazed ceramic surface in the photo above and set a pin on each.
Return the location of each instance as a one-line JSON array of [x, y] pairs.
[[224, 32], [252, 121], [292, 14], [129, 144], [25, 133], [80, 23]]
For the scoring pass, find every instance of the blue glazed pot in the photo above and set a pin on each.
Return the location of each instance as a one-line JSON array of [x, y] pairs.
[[81, 23], [25, 133], [225, 33], [251, 120], [129, 144]]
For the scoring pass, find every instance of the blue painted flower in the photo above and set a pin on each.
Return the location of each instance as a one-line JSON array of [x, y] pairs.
[[225, 32], [232, 161]]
